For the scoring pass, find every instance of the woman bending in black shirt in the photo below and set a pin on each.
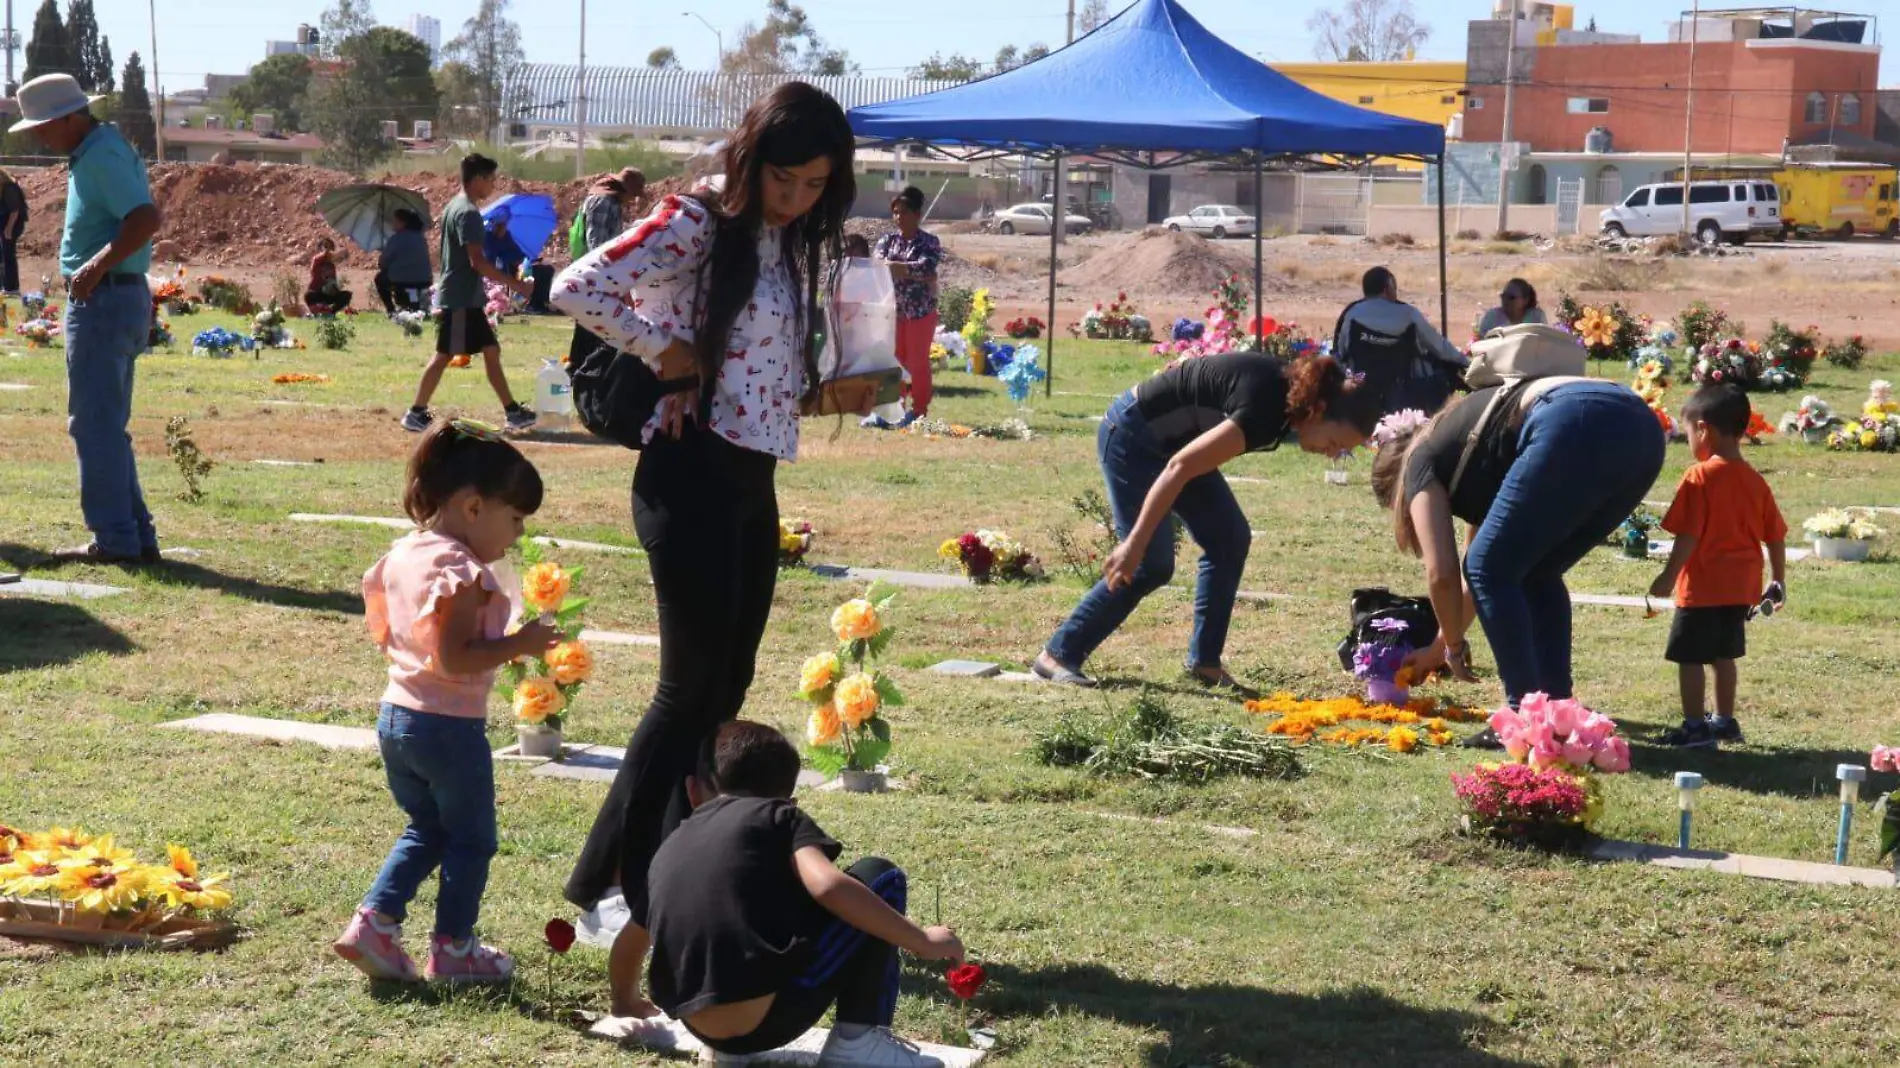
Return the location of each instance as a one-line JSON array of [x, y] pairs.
[[1162, 445]]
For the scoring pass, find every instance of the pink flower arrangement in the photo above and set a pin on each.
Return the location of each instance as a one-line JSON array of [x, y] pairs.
[[1561, 734], [1512, 796], [1885, 758]]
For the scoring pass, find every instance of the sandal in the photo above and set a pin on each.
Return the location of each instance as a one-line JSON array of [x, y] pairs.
[[1049, 669]]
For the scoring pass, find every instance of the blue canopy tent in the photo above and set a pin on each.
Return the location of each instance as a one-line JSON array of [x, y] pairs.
[[531, 221], [1153, 88]]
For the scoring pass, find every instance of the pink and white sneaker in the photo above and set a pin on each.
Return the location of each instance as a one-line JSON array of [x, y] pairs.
[[467, 961], [375, 948]]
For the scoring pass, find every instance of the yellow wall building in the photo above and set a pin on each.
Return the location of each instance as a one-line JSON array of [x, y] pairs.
[[1411, 89]]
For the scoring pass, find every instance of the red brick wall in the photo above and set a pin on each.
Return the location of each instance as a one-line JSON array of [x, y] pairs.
[[1746, 99]]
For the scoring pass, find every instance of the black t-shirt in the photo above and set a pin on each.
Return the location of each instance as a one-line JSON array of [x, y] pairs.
[[1249, 388], [1435, 459], [730, 919]]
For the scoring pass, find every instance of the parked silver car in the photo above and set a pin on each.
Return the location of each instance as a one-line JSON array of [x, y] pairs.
[[1212, 220], [1035, 219]]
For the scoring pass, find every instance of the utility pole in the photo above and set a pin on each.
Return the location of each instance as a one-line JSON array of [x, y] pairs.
[[13, 43], [1059, 211], [580, 103], [1504, 142], [1688, 112], [158, 91]]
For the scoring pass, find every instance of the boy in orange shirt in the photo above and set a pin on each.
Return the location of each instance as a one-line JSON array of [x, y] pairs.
[[1722, 516]]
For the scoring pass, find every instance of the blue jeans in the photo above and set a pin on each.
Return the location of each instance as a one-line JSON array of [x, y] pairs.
[[1586, 455], [104, 336], [442, 774], [1132, 460]]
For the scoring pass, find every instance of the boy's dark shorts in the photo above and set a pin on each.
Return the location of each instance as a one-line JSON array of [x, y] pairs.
[[1705, 635], [464, 332]]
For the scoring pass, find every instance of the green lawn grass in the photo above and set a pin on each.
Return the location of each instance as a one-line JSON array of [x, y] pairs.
[[1354, 927]]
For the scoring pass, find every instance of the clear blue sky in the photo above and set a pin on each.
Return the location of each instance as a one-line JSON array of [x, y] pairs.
[[884, 36]]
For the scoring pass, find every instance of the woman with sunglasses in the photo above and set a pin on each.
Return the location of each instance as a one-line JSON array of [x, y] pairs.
[[1517, 305]]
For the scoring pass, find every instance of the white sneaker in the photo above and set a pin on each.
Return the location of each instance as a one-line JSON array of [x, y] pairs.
[[876, 1048]]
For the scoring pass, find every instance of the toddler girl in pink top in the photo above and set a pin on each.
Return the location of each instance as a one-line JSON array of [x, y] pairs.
[[441, 616]]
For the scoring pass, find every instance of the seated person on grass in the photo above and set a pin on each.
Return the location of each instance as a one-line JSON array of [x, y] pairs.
[[756, 932]]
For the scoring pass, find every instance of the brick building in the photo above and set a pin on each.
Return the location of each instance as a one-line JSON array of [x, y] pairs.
[[1760, 85]]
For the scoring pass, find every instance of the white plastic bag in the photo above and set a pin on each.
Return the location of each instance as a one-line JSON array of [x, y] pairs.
[[861, 330]]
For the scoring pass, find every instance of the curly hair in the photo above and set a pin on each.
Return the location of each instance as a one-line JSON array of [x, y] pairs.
[[1319, 388]]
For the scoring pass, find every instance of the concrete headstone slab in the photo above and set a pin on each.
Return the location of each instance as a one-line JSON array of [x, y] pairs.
[[85, 591], [1606, 600], [919, 579], [362, 520], [1778, 869], [14, 387], [283, 730], [670, 1036], [588, 546], [967, 669], [614, 637], [286, 463]]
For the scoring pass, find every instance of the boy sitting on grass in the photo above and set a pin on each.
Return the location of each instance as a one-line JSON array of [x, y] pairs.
[[756, 932], [1723, 514]]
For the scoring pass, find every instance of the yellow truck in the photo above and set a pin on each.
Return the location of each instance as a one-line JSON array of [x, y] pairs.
[[1840, 199]]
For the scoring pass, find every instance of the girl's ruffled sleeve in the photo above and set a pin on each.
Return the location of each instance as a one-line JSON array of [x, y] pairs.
[[452, 571], [671, 243]]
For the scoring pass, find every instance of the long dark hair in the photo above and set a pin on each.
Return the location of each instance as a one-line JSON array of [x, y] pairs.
[[788, 127]]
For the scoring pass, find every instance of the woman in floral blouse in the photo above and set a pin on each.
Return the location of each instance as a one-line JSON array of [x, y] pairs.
[[913, 254], [720, 287]]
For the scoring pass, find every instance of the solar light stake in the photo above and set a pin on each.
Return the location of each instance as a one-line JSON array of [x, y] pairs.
[[1687, 785], [1851, 776]]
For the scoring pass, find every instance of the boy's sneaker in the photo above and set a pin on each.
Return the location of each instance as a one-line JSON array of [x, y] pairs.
[[909, 418], [520, 418], [1484, 739], [1693, 734], [876, 1048], [1725, 729], [874, 422], [417, 420], [375, 948], [467, 961]]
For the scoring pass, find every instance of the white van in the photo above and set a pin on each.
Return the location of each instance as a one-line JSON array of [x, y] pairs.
[[1718, 210]]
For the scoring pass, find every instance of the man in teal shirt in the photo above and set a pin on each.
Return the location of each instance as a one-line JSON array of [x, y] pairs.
[[104, 252]]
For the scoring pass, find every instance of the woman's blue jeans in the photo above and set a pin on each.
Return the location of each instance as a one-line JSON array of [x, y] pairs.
[[1587, 454], [1132, 460]]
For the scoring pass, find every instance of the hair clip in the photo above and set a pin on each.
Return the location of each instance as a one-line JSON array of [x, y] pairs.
[[476, 430], [1356, 378]]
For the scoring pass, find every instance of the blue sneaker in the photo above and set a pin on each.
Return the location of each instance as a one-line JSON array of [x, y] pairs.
[[1725, 729], [1693, 734]]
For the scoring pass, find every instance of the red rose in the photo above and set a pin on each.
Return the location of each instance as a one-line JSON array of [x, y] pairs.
[[966, 979], [560, 935]]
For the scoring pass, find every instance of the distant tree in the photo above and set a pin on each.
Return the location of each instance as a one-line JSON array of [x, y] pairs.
[[1090, 15], [785, 43], [343, 20], [663, 58], [278, 86], [489, 49], [385, 77], [952, 68], [91, 54], [1009, 57], [1367, 31], [50, 50], [1592, 27], [135, 117]]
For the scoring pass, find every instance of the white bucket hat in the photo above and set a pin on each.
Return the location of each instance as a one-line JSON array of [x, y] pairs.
[[49, 97]]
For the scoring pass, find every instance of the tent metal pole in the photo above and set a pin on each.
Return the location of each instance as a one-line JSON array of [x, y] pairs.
[[1259, 219], [1058, 219], [1444, 286]]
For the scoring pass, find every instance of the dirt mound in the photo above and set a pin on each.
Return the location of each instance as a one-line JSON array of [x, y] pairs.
[[265, 215], [1157, 261]]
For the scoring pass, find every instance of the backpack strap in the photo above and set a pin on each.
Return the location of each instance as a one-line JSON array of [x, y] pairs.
[[1509, 389]]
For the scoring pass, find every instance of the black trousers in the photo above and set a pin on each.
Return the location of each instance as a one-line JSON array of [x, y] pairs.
[[9, 265], [707, 514], [335, 301], [399, 296], [849, 967]]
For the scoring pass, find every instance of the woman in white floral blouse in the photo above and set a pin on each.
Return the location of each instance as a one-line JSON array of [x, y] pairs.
[[721, 289]]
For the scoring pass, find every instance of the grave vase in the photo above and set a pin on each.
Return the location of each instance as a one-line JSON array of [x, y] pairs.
[[1849, 550], [538, 741], [853, 781], [1386, 692]]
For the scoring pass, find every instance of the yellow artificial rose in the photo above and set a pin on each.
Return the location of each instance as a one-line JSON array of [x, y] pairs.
[[544, 587], [857, 700], [855, 621], [825, 727], [570, 662], [536, 699], [950, 550], [1868, 439], [817, 675]]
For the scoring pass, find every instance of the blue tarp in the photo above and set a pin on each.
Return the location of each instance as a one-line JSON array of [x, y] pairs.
[[1152, 79], [531, 220]]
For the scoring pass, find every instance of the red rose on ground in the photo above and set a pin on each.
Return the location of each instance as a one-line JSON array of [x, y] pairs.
[[966, 979], [560, 935]]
